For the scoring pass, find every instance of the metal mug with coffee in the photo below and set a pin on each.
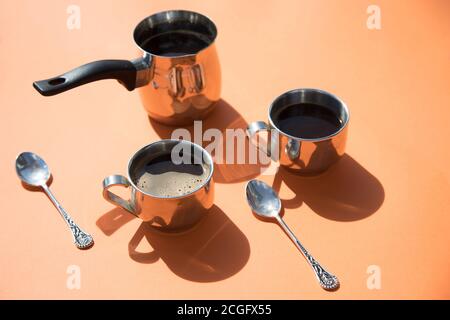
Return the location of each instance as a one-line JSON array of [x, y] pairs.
[[171, 184], [307, 130], [178, 73]]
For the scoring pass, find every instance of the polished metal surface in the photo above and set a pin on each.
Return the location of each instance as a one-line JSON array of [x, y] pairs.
[[305, 156], [265, 202], [262, 199], [179, 88], [169, 214], [33, 170]]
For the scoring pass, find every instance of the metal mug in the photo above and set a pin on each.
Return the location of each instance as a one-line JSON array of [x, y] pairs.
[[166, 213], [307, 156], [178, 73]]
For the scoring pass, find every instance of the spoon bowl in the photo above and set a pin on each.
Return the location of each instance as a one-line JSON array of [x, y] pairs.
[[262, 199], [32, 169]]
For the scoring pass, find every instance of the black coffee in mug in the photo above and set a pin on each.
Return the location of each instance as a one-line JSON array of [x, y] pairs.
[[308, 121]]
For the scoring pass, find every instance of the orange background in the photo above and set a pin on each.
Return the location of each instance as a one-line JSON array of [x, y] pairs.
[[386, 203]]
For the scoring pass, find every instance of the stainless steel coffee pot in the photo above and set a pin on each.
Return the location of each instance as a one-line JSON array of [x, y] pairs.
[[178, 72]]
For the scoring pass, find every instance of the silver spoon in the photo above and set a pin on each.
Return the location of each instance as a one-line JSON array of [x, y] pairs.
[[265, 202], [33, 170]]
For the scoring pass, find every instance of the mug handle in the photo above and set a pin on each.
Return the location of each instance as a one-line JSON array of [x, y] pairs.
[[255, 127], [117, 180]]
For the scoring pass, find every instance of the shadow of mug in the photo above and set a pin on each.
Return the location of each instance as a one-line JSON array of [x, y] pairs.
[[223, 117], [214, 250], [111, 221], [345, 192]]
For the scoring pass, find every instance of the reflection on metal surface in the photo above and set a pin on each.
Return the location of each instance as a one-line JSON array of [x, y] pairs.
[[176, 88], [197, 79], [262, 199], [293, 149]]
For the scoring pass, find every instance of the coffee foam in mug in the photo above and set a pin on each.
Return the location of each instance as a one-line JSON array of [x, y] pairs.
[[161, 177]]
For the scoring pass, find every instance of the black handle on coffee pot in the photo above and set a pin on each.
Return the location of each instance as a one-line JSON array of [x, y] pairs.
[[123, 71]]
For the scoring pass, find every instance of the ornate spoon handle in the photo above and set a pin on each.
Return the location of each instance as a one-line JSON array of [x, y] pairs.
[[81, 239], [326, 280]]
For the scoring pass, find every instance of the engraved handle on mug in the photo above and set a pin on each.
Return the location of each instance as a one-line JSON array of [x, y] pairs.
[[257, 126], [117, 180]]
